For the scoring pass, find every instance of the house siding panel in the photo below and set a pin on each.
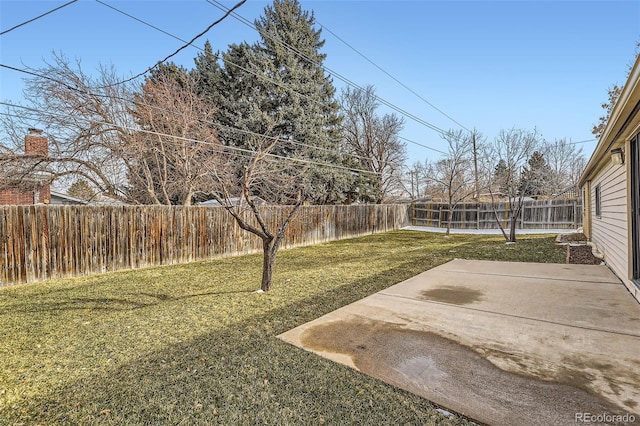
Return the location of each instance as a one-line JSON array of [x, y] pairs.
[[610, 230]]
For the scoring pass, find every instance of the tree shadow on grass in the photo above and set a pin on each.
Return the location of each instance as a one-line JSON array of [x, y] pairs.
[[115, 304], [241, 374]]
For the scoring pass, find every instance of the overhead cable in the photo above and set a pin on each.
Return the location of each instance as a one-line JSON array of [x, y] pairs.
[[37, 17], [334, 73], [219, 125], [263, 77], [392, 77], [184, 46], [216, 145]]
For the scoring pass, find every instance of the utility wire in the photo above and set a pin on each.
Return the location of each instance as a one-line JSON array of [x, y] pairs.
[[37, 17], [219, 125], [215, 145], [424, 146], [392, 77], [259, 75], [184, 46], [263, 77], [145, 23], [579, 142], [231, 11], [339, 76], [334, 73]]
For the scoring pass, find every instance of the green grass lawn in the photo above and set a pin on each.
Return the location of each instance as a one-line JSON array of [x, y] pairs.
[[195, 345]]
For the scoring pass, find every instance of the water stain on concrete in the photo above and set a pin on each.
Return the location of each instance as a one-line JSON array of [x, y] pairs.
[[456, 295], [455, 376]]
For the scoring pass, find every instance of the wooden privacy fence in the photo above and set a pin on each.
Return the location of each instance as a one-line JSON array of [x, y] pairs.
[[547, 214], [42, 242]]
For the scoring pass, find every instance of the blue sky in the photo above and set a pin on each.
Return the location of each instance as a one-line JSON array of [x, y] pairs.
[[487, 64]]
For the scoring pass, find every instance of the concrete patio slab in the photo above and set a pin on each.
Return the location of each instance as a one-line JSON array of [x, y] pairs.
[[502, 343]]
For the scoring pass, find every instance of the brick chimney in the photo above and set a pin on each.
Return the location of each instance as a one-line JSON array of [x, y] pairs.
[[35, 143]]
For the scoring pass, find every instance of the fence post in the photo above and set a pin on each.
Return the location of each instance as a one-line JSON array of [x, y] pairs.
[[413, 213]]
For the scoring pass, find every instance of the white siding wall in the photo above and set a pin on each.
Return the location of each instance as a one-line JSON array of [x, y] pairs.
[[609, 232]]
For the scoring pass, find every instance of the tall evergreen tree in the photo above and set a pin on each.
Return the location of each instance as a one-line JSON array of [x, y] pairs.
[[277, 87], [208, 74]]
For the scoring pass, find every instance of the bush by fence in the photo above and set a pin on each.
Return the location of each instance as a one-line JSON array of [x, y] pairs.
[[546, 214], [42, 242]]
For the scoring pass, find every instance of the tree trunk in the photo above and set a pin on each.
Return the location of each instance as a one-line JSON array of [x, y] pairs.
[[512, 231], [186, 200], [498, 220], [449, 213], [268, 258]]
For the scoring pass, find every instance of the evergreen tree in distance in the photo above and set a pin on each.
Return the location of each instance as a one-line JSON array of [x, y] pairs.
[[82, 190], [502, 177], [535, 178]]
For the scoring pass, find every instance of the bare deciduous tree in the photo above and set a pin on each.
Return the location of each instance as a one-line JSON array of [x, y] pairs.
[[137, 144], [415, 181], [511, 149], [373, 141], [566, 162], [86, 120], [245, 177], [453, 176], [163, 138], [177, 144]]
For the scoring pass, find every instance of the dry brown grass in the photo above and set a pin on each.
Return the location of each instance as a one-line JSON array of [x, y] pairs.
[[195, 345]]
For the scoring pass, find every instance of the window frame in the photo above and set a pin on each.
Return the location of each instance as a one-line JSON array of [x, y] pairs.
[[598, 201]]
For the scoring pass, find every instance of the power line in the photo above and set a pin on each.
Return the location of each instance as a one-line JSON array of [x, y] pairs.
[[419, 144], [579, 142], [261, 76], [143, 22], [184, 46], [334, 73], [37, 17], [233, 129], [392, 77], [221, 126], [339, 76], [185, 139], [231, 11]]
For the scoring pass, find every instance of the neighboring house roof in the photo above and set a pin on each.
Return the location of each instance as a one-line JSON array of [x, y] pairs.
[[623, 121], [105, 200], [62, 198], [569, 192], [20, 172], [234, 202], [59, 196], [518, 199]]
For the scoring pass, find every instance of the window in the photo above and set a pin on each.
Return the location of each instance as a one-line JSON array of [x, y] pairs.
[[598, 202]]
